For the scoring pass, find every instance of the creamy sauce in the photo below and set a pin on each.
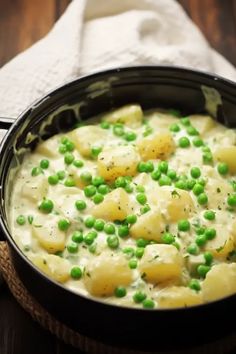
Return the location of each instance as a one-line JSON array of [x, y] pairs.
[[153, 245]]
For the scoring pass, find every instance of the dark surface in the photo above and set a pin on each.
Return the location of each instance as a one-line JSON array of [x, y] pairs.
[[22, 22]]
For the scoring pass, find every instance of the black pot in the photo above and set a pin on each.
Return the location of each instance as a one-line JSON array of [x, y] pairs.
[[152, 87]]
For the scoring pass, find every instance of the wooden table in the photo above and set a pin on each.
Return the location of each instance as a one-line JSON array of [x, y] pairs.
[[22, 22]]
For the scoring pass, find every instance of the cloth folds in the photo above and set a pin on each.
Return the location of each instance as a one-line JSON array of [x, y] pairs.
[[97, 34]]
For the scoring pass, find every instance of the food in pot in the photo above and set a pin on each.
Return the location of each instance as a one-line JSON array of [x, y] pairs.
[[134, 209]]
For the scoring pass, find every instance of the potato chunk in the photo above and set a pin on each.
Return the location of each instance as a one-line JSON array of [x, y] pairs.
[[49, 148], [220, 281], [105, 272], [118, 161], [227, 155], [222, 244], [47, 233], [158, 146], [217, 192], [179, 205], [35, 189], [130, 115], [202, 123], [55, 267], [178, 296], [88, 136], [115, 206], [160, 263], [148, 226]]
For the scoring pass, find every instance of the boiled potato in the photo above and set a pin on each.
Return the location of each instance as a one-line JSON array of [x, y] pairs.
[[88, 136], [222, 244], [149, 226], [35, 189], [105, 272], [217, 191], [157, 146], [49, 148], [45, 230], [227, 154], [115, 206], [160, 121], [202, 123], [118, 161], [160, 263], [55, 267], [130, 115], [178, 296], [220, 282]]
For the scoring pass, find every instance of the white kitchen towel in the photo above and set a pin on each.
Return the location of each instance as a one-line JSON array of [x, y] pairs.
[[98, 34]]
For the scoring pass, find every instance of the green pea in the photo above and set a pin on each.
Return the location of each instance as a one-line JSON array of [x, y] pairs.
[[183, 225], [130, 136], [118, 129], [72, 247], [133, 263], [175, 128], [200, 230], [210, 233], [202, 199], [194, 285], [53, 179], [89, 221], [123, 231], [139, 297], [21, 220], [99, 225], [181, 184], [141, 198], [68, 158], [192, 131], [80, 204], [46, 206], [201, 240], [69, 182], [163, 166], [63, 224], [207, 157], [131, 219], [61, 175], [98, 198], [103, 189], [64, 140], [195, 172], [90, 237], [90, 191], [198, 189], [120, 291], [92, 248], [105, 125], [44, 164], [184, 142], [231, 200], [139, 252], [185, 121], [148, 304], [97, 181], [156, 174], [172, 174], [145, 209], [140, 188], [197, 142], [76, 272], [209, 215], [77, 237], [168, 238], [70, 146], [203, 270], [164, 181], [129, 188], [129, 251], [36, 171], [120, 182], [142, 167], [62, 149], [78, 163], [113, 241], [95, 151], [141, 242], [109, 229], [86, 177], [208, 258], [223, 168], [193, 249], [149, 166]]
